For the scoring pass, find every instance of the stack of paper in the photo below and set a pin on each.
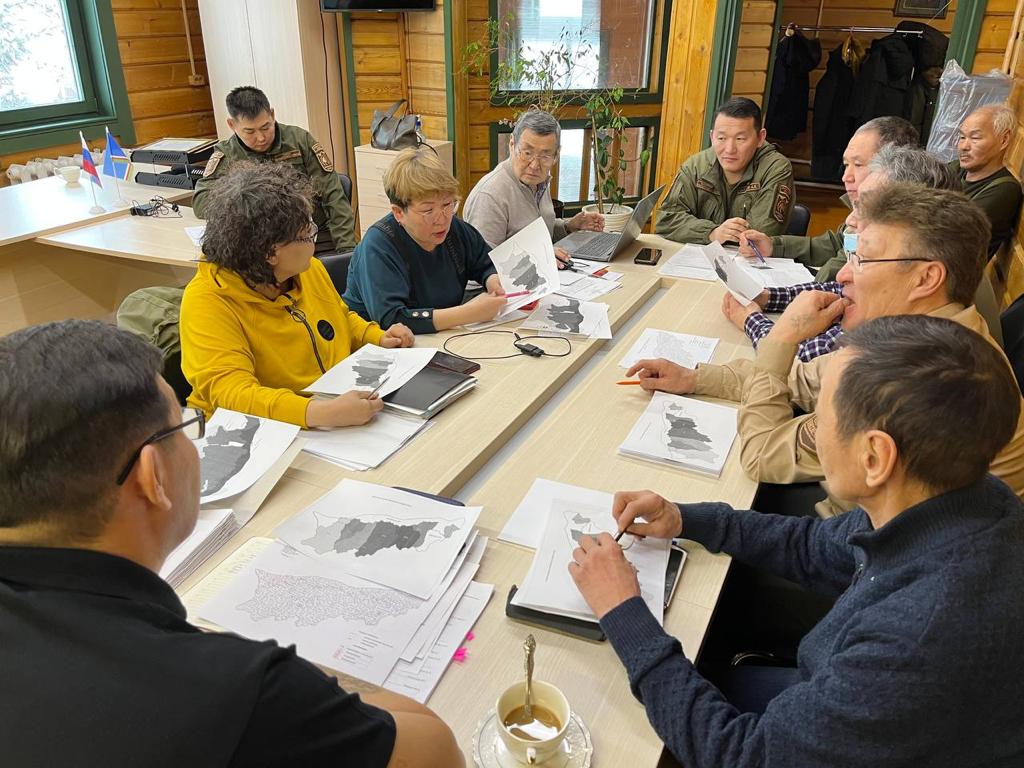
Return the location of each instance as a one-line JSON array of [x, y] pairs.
[[367, 446], [680, 348], [213, 528], [372, 367], [558, 314], [588, 288], [776, 273], [689, 261], [565, 514], [683, 432], [371, 581]]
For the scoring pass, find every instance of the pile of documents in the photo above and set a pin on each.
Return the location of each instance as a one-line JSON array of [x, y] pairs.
[[587, 280], [213, 529], [744, 277], [374, 582], [681, 348], [561, 315], [367, 446]]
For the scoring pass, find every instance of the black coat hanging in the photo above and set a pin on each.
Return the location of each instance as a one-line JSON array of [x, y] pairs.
[[795, 58]]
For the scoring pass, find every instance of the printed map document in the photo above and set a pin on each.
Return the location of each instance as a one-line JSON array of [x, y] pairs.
[[369, 366], [681, 348], [526, 265]]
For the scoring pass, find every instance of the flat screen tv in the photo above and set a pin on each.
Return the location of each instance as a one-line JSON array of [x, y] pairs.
[[346, 6]]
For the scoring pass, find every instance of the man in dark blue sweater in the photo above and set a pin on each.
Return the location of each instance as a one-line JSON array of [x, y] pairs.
[[921, 660]]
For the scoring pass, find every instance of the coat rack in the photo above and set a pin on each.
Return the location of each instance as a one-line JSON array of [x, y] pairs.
[[790, 29]]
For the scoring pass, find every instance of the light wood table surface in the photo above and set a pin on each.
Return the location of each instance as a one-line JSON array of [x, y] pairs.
[[49, 205], [578, 445], [152, 239]]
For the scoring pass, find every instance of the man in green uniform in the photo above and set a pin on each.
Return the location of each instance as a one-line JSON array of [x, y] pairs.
[[739, 183], [827, 251], [259, 138], [985, 136]]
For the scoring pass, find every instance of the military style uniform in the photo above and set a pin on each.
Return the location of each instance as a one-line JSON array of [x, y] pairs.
[[295, 146], [701, 199], [999, 196], [824, 251]]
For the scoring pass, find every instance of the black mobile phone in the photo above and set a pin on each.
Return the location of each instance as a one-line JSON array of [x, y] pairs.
[[648, 256], [454, 363]]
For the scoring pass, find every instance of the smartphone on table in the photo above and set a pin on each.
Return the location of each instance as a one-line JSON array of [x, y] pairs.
[[647, 256]]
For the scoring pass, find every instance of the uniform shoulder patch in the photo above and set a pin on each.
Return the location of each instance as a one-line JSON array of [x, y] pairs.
[[705, 185], [322, 158], [780, 207], [807, 434], [753, 186], [212, 163]]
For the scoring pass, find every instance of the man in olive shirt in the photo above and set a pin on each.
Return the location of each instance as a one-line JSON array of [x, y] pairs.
[[259, 138], [985, 136], [738, 183], [826, 251]]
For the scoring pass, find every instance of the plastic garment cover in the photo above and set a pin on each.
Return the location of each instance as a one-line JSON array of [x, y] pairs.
[[959, 95]]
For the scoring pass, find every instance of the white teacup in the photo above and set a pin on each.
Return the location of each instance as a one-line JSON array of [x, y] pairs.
[[530, 751], [70, 173]]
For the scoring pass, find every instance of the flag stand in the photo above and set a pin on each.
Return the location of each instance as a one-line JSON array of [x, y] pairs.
[[96, 207]]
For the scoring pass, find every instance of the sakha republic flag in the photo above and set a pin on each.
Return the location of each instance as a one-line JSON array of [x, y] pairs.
[[87, 164], [115, 161]]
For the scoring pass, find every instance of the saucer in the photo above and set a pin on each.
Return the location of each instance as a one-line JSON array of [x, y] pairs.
[[490, 752]]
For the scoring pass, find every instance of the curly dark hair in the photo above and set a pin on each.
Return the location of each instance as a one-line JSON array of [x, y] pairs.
[[254, 207]]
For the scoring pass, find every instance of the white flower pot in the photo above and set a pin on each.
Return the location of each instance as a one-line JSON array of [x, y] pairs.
[[615, 216]]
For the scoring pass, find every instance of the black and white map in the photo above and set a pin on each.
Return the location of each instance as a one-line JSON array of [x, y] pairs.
[[559, 314], [369, 366], [526, 265], [237, 450], [681, 348], [387, 536], [683, 431]]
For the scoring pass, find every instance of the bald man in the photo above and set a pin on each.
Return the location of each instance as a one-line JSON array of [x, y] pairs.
[[985, 136]]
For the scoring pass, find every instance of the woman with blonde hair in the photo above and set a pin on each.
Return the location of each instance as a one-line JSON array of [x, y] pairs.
[[261, 320], [412, 266]]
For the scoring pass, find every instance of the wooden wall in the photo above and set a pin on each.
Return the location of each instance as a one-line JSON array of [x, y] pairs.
[[755, 44], [1008, 276], [154, 57]]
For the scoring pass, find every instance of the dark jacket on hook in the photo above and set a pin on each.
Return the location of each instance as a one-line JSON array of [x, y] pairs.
[[833, 125], [884, 80], [795, 58]]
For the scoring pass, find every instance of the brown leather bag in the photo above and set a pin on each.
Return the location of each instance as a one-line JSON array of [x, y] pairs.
[[390, 132]]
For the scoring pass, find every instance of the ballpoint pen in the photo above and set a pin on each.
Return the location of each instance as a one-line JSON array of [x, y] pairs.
[[377, 389]]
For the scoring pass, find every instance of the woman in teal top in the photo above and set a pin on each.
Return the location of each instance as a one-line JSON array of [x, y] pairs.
[[412, 266]]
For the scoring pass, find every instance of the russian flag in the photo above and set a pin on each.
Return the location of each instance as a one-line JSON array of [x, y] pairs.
[[115, 161], [87, 164]]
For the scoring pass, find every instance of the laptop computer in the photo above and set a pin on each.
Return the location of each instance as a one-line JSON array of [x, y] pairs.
[[605, 246]]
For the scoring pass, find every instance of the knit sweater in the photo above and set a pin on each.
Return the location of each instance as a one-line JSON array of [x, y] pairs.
[[919, 663]]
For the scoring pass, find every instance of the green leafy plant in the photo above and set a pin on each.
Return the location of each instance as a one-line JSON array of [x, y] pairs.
[[529, 79]]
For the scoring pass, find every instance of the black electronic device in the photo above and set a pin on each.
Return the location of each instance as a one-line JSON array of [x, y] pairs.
[[454, 363], [179, 177], [429, 391], [175, 152], [381, 6], [648, 257], [588, 630]]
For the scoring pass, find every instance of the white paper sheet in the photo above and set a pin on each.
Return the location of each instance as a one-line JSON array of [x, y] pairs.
[[530, 518], [689, 261], [548, 585], [213, 528], [558, 314], [588, 289], [417, 681], [684, 432], [391, 537], [732, 275], [343, 622], [506, 317], [681, 348], [526, 262], [366, 446], [195, 234], [237, 450], [369, 365], [174, 145], [781, 273]]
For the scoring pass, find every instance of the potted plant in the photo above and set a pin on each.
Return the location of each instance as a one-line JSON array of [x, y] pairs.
[[525, 79]]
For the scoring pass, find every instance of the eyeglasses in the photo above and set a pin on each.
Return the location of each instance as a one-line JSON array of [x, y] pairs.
[[857, 262], [193, 424], [446, 210], [546, 159], [309, 238]]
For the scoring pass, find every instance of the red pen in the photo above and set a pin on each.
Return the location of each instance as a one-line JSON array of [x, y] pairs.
[[516, 295]]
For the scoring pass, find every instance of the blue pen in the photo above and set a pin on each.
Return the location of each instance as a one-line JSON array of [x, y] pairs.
[[756, 252]]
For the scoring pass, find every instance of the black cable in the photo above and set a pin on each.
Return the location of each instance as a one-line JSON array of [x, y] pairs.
[[519, 343]]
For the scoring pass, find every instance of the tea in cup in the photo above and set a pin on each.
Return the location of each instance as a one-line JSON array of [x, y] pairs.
[[532, 739], [70, 173]]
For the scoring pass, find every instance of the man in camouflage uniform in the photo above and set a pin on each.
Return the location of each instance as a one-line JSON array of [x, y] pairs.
[[739, 183], [259, 138]]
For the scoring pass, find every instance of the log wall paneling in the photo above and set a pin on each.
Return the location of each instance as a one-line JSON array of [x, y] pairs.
[[154, 59], [1008, 276]]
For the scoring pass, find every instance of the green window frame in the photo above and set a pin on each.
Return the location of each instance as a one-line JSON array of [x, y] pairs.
[[105, 99], [650, 95]]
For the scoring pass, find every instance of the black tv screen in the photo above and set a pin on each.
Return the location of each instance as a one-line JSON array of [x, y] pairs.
[[344, 6]]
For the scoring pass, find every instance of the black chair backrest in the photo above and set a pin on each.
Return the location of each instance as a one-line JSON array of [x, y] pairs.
[[346, 185], [177, 380], [1012, 321], [799, 220], [337, 267]]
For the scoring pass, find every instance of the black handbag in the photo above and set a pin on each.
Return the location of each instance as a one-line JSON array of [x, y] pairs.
[[390, 132]]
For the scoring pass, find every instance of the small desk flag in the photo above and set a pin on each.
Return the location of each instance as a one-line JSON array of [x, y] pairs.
[[87, 164], [115, 161]]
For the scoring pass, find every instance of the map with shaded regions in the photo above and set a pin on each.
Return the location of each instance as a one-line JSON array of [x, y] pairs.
[[365, 538], [224, 454], [369, 370], [566, 317], [683, 438], [579, 520], [523, 272], [311, 600]]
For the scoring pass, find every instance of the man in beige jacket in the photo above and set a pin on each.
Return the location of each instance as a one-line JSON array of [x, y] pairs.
[[920, 251]]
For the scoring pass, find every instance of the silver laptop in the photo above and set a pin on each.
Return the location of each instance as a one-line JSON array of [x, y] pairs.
[[605, 246]]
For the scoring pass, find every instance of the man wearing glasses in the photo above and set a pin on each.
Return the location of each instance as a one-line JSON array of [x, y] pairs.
[[518, 190], [99, 481], [920, 252]]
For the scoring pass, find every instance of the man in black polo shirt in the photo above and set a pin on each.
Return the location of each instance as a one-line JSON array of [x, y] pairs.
[[98, 665]]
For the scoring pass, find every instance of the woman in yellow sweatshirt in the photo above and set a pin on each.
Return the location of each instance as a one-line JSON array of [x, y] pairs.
[[261, 320]]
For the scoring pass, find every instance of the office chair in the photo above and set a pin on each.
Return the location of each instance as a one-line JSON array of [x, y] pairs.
[[337, 267], [346, 185], [799, 220]]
